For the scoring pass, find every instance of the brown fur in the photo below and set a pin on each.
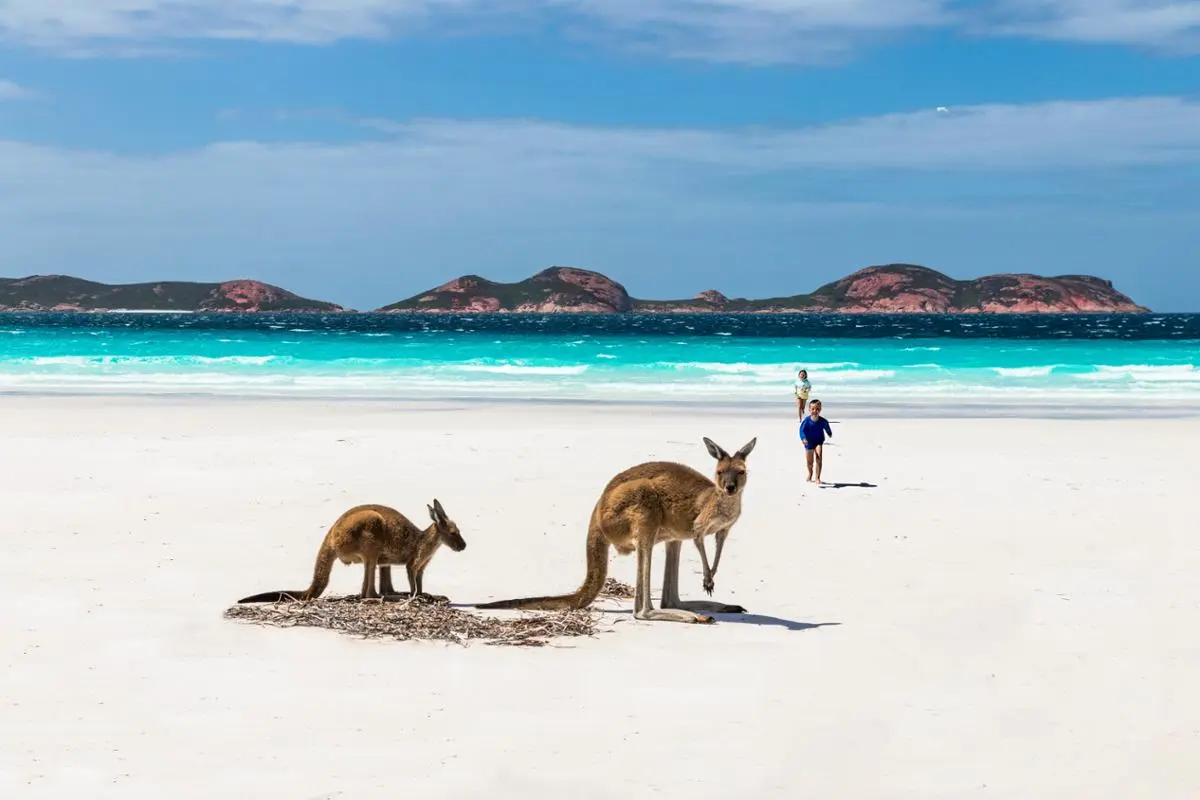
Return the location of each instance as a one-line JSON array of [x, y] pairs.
[[375, 535], [658, 501]]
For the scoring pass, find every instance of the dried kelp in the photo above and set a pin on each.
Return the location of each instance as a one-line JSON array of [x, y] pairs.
[[419, 619]]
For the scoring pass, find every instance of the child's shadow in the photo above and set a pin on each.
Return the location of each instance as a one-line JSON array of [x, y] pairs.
[[859, 485]]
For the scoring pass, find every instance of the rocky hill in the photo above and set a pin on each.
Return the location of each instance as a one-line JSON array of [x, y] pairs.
[[553, 289], [892, 288], [64, 293]]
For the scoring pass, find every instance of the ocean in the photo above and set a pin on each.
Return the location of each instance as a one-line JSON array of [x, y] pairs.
[[1069, 360]]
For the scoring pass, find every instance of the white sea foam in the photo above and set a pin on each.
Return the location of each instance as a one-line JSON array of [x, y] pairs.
[[1025, 372], [786, 369], [507, 382], [1150, 373], [833, 378], [110, 360], [518, 369]]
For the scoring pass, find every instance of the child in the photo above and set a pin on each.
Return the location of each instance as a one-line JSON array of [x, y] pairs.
[[813, 430], [802, 388]]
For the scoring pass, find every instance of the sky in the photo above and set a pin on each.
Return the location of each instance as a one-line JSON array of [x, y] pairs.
[[362, 151]]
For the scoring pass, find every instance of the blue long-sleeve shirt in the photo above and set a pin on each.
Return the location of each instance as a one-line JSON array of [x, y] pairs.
[[813, 431]]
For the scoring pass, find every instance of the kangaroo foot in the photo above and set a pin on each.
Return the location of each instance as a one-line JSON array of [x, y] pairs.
[[423, 597], [711, 606], [671, 615]]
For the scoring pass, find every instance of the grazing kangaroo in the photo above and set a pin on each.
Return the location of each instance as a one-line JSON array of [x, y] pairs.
[[658, 501], [374, 535]]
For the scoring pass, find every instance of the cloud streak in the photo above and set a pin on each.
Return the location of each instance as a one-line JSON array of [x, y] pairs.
[[13, 91], [743, 31], [1097, 134], [1166, 25]]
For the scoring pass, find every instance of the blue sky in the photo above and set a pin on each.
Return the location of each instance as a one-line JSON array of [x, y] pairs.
[[364, 150]]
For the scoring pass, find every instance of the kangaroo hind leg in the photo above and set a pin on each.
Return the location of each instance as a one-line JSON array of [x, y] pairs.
[[416, 585], [386, 590], [368, 588], [643, 604], [670, 590]]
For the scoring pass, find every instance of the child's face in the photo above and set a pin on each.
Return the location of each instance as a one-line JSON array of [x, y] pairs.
[[814, 410], [803, 374]]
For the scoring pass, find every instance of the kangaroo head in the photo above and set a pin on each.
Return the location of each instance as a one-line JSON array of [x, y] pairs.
[[447, 531], [731, 469]]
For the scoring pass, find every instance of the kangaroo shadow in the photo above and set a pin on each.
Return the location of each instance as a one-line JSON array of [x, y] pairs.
[[745, 618], [860, 485], [767, 620]]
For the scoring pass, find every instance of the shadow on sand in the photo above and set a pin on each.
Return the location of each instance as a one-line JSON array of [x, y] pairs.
[[743, 619], [764, 619], [860, 485]]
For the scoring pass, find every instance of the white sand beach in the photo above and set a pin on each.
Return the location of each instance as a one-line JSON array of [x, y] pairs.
[[1008, 610]]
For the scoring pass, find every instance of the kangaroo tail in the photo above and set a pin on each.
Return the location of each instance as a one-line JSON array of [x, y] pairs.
[[597, 571], [320, 580], [275, 597]]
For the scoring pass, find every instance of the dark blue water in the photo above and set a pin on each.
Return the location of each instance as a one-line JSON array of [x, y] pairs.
[[1135, 327]]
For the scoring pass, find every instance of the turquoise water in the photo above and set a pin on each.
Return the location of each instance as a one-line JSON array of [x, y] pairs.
[[704, 358]]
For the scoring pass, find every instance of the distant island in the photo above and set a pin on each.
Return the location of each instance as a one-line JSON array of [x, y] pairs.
[[889, 288], [64, 293]]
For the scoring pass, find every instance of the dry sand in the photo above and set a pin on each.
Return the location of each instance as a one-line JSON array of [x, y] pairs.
[[1010, 610]]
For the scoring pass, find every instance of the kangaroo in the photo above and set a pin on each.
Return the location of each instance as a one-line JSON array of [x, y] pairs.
[[375, 535], [658, 501]]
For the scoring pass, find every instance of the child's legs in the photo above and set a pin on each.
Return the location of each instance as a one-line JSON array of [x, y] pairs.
[[818, 458], [808, 461]]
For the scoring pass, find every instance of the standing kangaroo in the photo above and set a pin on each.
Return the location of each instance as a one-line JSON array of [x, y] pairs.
[[659, 501], [374, 535]]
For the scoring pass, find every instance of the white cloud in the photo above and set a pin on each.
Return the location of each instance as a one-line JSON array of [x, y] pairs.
[[13, 91], [748, 31], [753, 31], [1171, 25], [1063, 134]]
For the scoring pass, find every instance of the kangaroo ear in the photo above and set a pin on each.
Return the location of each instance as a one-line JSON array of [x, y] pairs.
[[746, 448], [714, 449], [437, 506], [432, 513]]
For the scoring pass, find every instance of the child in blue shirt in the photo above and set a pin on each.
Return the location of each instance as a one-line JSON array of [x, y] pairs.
[[813, 430]]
